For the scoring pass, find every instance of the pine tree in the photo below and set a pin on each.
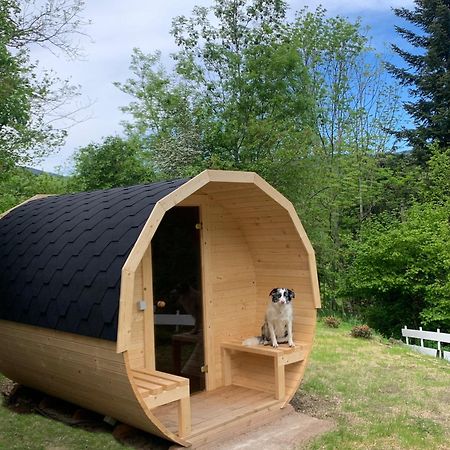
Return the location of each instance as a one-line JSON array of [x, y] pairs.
[[427, 75]]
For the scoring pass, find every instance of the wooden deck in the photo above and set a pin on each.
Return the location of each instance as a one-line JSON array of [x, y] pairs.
[[218, 409]]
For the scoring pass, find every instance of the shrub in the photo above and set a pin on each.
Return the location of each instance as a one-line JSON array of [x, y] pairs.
[[331, 321], [362, 331]]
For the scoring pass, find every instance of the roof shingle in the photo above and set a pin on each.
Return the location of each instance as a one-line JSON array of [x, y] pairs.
[[61, 257]]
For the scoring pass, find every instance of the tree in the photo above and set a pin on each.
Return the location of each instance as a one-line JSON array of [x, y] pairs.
[[237, 94], [427, 75], [114, 162], [30, 101], [400, 270], [353, 105]]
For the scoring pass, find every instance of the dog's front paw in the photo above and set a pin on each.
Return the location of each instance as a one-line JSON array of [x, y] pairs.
[[275, 344], [291, 344]]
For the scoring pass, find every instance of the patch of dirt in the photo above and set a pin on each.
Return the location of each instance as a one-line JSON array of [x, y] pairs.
[[315, 406], [24, 400]]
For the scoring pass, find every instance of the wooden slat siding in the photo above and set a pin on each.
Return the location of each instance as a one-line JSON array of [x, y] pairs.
[[149, 326], [137, 336], [79, 369]]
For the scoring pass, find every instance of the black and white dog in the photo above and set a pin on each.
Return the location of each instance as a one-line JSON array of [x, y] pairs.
[[277, 327]]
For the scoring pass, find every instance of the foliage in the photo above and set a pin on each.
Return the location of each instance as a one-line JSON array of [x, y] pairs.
[[427, 74], [435, 182], [112, 163], [20, 184], [341, 182], [331, 321], [400, 270], [361, 331], [31, 100], [236, 99]]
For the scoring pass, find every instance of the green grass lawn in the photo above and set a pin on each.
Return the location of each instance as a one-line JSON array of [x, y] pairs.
[[380, 396]]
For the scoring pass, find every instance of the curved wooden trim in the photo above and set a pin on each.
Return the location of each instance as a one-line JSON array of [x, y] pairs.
[[173, 199]]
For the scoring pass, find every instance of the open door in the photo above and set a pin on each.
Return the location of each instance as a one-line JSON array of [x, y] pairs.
[[176, 262]]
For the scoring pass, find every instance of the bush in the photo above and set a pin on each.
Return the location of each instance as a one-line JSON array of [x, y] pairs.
[[361, 331], [331, 322], [400, 270]]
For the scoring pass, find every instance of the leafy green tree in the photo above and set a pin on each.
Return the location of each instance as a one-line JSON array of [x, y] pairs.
[[237, 97], [400, 271], [427, 74], [353, 105], [436, 179], [114, 162], [31, 101]]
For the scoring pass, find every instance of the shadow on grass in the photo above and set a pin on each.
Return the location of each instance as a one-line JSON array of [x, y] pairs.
[[23, 400]]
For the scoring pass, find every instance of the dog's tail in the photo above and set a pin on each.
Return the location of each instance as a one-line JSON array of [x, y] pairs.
[[255, 340]]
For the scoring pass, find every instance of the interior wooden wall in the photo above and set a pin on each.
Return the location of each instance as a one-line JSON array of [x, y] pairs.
[[278, 258], [231, 294]]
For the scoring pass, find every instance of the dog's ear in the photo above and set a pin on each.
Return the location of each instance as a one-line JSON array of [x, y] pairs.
[[291, 294], [273, 291]]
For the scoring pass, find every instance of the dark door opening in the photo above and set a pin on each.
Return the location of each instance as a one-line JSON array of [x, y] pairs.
[[176, 261]]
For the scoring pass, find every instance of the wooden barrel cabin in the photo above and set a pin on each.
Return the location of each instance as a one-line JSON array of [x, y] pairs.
[[134, 302]]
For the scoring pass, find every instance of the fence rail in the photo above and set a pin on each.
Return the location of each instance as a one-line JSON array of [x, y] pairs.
[[435, 336]]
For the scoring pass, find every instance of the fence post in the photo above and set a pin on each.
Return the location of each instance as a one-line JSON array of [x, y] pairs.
[[440, 352], [421, 340], [407, 339]]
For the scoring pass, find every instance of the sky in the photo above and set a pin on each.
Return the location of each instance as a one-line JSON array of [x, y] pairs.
[[116, 27]]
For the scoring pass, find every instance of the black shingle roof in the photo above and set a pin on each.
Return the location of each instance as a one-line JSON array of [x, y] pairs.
[[61, 257]]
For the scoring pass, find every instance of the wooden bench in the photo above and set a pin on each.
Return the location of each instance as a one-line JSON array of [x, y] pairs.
[[159, 388], [282, 356]]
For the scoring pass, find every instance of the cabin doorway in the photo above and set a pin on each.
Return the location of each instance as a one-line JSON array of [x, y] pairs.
[[177, 284]]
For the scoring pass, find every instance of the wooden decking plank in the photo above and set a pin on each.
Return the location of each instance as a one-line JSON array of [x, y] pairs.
[[235, 402]]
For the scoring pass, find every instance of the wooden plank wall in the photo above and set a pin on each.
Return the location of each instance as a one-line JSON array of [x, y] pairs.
[[79, 369], [232, 289], [280, 260]]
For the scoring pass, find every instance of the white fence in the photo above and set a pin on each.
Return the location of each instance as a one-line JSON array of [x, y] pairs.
[[435, 336]]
